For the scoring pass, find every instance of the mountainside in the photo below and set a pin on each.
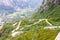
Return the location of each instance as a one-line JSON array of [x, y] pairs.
[[43, 24], [51, 12]]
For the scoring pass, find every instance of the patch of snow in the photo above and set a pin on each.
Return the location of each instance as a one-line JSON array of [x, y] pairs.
[[16, 33]]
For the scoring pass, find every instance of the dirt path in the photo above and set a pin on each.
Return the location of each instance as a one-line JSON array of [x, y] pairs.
[[58, 36]]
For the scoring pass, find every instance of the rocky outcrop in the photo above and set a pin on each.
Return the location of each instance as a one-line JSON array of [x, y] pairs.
[[44, 5], [55, 2]]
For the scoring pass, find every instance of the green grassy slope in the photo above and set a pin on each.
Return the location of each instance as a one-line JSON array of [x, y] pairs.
[[39, 34], [34, 32], [52, 14]]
